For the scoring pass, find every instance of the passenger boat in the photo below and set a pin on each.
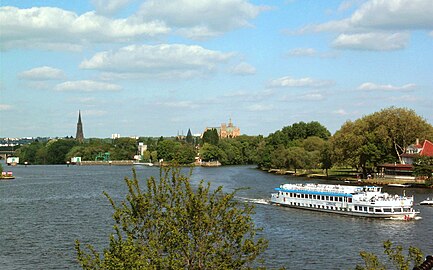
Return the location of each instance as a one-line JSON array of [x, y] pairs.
[[427, 202], [363, 201]]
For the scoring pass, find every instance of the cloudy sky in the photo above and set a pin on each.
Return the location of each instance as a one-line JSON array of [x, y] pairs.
[[159, 67]]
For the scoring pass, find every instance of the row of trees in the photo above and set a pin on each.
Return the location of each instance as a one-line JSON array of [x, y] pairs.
[[59, 151], [381, 137]]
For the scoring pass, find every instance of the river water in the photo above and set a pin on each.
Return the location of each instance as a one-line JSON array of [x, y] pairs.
[[46, 208]]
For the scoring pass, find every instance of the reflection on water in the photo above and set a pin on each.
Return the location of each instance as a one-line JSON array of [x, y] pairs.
[[46, 208]]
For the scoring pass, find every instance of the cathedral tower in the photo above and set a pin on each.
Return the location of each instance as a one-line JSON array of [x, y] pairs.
[[80, 136]]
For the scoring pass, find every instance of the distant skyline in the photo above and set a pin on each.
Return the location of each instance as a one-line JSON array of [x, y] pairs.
[[157, 67]]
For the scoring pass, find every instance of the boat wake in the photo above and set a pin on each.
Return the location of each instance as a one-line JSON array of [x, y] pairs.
[[255, 201]]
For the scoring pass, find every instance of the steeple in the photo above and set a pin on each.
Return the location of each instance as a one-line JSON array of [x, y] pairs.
[[80, 136]]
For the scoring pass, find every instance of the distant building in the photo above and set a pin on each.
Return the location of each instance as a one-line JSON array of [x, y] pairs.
[[405, 169], [79, 136], [226, 131], [115, 136], [416, 150]]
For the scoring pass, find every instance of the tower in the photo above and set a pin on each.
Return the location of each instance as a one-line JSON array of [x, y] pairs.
[[80, 136]]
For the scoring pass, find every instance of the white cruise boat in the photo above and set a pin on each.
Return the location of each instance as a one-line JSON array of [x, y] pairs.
[[364, 201]]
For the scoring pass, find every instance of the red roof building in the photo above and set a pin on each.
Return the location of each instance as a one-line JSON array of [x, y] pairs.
[[405, 168]]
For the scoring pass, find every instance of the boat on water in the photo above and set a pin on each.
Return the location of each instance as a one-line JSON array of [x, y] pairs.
[[363, 201], [428, 201], [143, 164], [399, 185]]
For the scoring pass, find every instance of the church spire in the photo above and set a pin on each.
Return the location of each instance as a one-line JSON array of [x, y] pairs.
[[80, 136]]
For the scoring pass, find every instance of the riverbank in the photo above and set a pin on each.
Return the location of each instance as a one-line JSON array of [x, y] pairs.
[[352, 179]]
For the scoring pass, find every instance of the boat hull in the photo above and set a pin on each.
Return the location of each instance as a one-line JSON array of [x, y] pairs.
[[403, 216]]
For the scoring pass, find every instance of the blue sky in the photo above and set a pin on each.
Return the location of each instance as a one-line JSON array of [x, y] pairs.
[[159, 67]]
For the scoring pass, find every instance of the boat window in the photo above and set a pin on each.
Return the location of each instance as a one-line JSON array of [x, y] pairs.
[[370, 209], [365, 208], [349, 200], [387, 210], [406, 209], [397, 209], [377, 210], [356, 208]]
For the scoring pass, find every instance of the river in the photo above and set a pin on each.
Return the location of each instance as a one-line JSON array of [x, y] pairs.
[[46, 208]]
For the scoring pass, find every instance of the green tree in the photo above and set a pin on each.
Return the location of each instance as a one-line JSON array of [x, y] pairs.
[[423, 166], [378, 138], [167, 149], [185, 154], [56, 150], [124, 149], [296, 158], [171, 225], [210, 152], [210, 136], [326, 158], [395, 256], [28, 153]]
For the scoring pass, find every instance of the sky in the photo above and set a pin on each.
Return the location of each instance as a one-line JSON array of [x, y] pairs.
[[161, 67]]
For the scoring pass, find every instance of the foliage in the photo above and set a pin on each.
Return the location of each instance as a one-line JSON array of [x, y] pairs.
[[298, 131], [181, 153], [378, 138], [326, 158], [31, 153], [395, 256], [210, 152], [169, 225], [56, 150], [210, 136], [423, 166]]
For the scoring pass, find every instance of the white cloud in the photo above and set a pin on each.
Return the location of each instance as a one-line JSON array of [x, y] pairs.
[[5, 107], [164, 60], [243, 69], [340, 112], [369, 86], [288, 81], [42, 74], [310, 52], [380, 25], [372, 41], [87, 86], [395, 14], [109, 7], [54, 28], [201, 19], [302, 52], [312, 97], [260, 107]]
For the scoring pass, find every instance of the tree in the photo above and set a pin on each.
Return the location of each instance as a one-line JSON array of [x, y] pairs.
[[210, 136], [395, 256], [378, 138], [56, 150], [326, 158], [210, 152], [296, 158], [170, 225], [166, 149], [423, 167]]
